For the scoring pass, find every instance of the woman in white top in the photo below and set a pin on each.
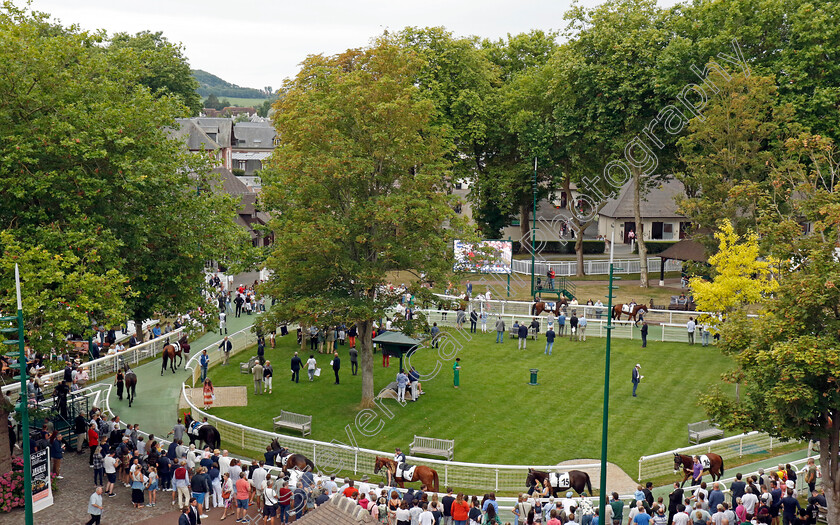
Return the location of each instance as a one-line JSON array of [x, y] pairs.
[[311, 365]]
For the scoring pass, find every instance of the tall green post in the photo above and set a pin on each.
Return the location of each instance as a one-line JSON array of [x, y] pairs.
[[22, 407], [534, 228], [508, 275], [605, 423]]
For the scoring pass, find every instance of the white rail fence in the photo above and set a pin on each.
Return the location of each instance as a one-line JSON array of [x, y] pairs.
[[593, 267], [108, 364], [727, 448], [240, 340]]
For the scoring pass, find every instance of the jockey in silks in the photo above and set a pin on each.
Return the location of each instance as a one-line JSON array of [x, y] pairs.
[[399, 459]]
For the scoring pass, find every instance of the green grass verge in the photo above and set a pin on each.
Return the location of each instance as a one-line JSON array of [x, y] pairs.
[[495, 417]]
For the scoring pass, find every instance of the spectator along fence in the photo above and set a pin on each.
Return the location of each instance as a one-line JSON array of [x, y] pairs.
[[108, 364]]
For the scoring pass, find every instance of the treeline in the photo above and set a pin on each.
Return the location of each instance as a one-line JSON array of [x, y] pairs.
[[210, 84]]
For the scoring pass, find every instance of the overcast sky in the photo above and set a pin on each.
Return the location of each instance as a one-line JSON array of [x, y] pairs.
[[258, 44]]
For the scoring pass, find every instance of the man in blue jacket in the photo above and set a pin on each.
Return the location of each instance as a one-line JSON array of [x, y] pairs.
[[636, 377], [523, 335]]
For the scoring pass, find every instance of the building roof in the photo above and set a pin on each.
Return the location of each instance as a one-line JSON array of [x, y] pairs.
[[195, 138], [231, 184], [395, 338], [339, 510], [222, 128], [685, 250], [658, 203], [250, 155], [254, 135]]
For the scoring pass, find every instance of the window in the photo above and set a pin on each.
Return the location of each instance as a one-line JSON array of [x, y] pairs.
[[241, 164], [656, 231], [668, 231]]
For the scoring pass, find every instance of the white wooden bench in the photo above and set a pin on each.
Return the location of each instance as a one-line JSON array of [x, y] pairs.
[[245, 368], [513, 331], [533, 333], [703, 430], [822, 515], [433, 447], [293, 421]]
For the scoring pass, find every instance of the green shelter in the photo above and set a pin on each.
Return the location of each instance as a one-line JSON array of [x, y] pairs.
[[396, 344]]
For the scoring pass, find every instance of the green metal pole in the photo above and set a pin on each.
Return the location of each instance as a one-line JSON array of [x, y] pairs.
[[24, 419], [605, 422], [508, 275], [534, 228]]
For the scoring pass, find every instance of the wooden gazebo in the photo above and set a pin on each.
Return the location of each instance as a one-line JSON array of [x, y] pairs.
[[685, 250]]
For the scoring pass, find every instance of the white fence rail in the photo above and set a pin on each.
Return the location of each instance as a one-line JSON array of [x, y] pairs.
[[106, 365], [524, 309], [240, 340], [731, 447], [594, 267]]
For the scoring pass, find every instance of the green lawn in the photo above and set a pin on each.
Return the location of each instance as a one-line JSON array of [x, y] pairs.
[[495, 412]]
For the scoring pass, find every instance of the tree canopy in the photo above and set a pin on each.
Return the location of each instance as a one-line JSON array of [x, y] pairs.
[[357, 187], [162, 66], [93, 189]]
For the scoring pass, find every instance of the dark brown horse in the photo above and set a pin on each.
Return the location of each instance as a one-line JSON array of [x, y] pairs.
[[578, 480], [714, 467], [130, 384], [207, 434], [540, 307], [168, 355], [618, 311], [425, 475], [298, 461]]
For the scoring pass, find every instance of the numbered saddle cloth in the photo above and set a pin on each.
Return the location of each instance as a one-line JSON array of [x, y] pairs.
[[704, 460], [406, 471], [626, 309], [559, 479]]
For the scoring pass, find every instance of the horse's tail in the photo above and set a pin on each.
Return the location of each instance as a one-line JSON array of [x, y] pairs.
[[311, 466], [588, 483], [435, 481], [721, 468]]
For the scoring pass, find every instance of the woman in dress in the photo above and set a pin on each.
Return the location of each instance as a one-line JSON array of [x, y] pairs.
[[120, 382], [227, 495], [138, 485], [456, 371], [209, 395]]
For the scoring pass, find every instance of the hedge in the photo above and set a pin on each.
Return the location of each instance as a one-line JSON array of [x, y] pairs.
[[654, 247], [589, 247]]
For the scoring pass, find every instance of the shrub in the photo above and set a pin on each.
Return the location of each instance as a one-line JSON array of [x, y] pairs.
[[11, 486]]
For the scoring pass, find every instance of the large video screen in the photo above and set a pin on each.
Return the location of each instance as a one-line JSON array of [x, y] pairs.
[[483, 257]]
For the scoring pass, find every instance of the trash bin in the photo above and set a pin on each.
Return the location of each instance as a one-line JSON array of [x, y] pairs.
[[534, 372]]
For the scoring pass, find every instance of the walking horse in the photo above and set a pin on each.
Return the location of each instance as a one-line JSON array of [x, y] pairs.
[[425, 475], [712, 463], [540, 307], [130, 384], [630, 311], [559, 482], [170, 350], [289, 460]]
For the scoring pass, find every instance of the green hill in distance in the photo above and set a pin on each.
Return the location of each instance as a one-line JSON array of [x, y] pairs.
[[209, 83]]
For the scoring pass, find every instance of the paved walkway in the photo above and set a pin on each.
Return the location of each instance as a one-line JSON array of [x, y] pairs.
[[155, 408]]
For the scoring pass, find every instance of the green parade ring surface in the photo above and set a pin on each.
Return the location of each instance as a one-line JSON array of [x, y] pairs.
[[495, 417]]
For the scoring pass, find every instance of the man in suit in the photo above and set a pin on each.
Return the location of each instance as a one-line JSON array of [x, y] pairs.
[[674, 500], [296, 364], [225, 346], [336, 364], [636, 377], [644, 334]]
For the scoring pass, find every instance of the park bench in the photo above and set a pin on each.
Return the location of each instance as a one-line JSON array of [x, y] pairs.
[[293, 421], [702, 430], [245, 368], [513, 331], [533, 333], [822, 515], [432, 447], [391, 392]]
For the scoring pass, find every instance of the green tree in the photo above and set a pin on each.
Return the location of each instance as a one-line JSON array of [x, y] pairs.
[[161, 66], [93, 189], [357, 188], [727, 156], [788, 357], [617, 47], [212, 101]]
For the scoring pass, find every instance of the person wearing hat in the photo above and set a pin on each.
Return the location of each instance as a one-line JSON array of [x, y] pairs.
[[636, 377]]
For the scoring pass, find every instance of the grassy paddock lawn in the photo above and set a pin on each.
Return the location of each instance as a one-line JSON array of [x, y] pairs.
[[495, 416]]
